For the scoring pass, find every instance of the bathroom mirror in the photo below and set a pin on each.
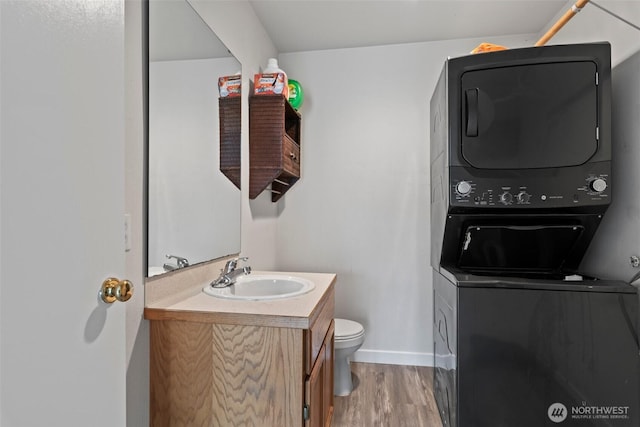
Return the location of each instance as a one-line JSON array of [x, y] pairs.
[[193, 208]]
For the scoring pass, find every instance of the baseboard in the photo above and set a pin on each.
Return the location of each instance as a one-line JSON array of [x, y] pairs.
[[447, 362], [393, 357]]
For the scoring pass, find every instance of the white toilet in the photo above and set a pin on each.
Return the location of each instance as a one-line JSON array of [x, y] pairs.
[[349, 336]]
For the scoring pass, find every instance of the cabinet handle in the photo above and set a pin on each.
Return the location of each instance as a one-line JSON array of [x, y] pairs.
[[293, 156]]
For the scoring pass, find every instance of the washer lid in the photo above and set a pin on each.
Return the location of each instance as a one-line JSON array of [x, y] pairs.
[[346, 329]]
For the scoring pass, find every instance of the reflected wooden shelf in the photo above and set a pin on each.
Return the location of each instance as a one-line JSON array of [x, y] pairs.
[[230, 131]]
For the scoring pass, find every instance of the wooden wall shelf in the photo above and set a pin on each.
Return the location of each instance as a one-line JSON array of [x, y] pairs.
[[274, 145]]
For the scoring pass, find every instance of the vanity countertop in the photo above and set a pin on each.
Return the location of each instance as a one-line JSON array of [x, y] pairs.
[[295, 312]]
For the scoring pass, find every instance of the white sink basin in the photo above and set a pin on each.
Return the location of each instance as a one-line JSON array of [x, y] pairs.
[[257, 287], [153, 271]]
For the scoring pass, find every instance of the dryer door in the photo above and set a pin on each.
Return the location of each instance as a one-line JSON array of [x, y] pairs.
[[530, 116]]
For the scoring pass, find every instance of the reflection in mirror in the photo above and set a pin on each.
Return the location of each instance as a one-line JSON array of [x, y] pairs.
[[193, 210]]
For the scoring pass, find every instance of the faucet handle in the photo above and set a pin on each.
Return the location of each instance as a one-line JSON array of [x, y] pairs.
[[182, 262], [233, 263]]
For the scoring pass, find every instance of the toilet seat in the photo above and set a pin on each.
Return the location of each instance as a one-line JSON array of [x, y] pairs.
[[347, 330]]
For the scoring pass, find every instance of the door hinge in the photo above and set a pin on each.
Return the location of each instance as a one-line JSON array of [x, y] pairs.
[[597, 81], [306, 412], [598, 133]]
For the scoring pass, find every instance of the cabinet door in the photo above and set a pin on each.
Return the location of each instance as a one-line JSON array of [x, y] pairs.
[[327, 402], [319, 385], [314, 395]]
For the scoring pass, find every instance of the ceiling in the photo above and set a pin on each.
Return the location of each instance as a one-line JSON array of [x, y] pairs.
[[177, 31], [304, 25]]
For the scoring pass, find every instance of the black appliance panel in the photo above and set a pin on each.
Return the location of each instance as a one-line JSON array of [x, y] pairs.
[[450, 103], [530, 116], [530, 358], [572, 187], [503, 244], [552, 176], [445, 327], [517, 249]]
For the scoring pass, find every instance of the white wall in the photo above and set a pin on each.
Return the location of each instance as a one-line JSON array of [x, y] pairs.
[[592, 25], [1, 240], [237, 26], [361, 208], [188, 196], [618, 237]]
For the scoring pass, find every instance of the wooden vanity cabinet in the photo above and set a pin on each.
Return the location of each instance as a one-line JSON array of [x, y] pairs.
[[274, 145], [208, 372]]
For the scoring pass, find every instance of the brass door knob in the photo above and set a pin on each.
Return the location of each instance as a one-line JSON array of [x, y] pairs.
[[114, 289]]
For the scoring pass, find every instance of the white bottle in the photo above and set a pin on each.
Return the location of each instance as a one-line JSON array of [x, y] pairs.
[[281, 86]]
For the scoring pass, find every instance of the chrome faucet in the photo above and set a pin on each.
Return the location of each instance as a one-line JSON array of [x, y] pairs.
[[180, 263], [229, 274]]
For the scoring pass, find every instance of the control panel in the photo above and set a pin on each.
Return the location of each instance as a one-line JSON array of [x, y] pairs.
[[587, 185]]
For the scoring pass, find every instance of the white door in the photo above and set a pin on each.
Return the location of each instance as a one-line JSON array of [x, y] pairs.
[[62, 351]]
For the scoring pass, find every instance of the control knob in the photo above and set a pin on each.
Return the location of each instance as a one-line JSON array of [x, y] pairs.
[[506, 198], [463, 188], [523, 197], [598, 185]]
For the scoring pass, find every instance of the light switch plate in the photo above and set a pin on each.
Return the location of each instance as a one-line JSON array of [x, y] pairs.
[[127, 232]]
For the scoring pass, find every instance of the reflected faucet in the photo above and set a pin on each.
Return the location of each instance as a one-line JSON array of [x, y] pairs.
[[229, 274], [180, 263]]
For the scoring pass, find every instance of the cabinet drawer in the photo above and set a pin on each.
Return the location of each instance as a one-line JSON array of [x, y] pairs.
[[314, 337], [290, 156]]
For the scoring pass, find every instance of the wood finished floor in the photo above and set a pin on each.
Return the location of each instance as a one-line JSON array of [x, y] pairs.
[[388, 396]]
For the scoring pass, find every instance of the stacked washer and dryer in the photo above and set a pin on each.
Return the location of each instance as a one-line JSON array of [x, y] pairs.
[[520, 180]]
